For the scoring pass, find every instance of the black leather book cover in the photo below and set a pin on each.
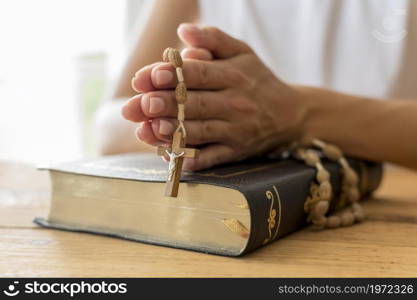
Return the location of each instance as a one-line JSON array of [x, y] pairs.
[[276, 189]]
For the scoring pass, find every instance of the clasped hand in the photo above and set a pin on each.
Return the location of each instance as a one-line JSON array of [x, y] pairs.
[[236, 106]]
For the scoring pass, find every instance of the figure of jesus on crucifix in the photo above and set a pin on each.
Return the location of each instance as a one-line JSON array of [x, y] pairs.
[[177, 152]]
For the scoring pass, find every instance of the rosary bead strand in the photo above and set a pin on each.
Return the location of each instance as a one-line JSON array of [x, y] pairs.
[[178, 150], [173, 56], [318, 202]]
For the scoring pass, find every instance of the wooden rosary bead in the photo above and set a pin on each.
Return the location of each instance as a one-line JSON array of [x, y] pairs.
[[318, 202], [320, 209], [359, 215], [174, 57], [311, 158], [325, 191], [317, 143], [350, 176], [356, 207], [333, 222], [180, 75], [344, 163], [165, 56], [181, 112], [181, 93], [322, 175], [308, 204], [347, 218], [320, 222], [314, 193], [300, 153], [358, 212], [332, 152], [353, 194]]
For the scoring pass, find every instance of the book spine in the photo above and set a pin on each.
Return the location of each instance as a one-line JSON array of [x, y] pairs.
[[277, 204]]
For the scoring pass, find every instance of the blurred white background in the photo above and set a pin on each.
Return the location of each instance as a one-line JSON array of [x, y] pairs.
[[57, 58]]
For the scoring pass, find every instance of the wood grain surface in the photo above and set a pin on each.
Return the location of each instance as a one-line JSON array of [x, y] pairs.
[[383, 246]]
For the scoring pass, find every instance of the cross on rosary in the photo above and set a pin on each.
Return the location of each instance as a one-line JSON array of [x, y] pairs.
[[177, 152]]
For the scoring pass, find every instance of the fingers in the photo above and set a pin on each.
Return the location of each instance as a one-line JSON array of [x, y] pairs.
[[216, 41], [145, 133], [200, 105], [196, 53], [198, 132], [205, 42], [132, 111], [203, 105], [209, 156], [198, 74], [143, 85]]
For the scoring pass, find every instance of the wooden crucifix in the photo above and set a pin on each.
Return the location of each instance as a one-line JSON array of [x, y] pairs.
[[177, 152]]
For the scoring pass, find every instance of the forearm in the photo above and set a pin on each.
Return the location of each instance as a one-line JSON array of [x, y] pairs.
[[363, 127], [115, 134], [158, 33]]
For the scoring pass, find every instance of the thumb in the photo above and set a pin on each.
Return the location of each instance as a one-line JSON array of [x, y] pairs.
[[213, 39]]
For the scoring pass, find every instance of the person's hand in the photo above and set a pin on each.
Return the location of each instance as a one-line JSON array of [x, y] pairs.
[[236, 106]]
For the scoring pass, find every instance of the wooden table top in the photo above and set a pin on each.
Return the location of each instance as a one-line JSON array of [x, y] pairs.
[[383, 246]]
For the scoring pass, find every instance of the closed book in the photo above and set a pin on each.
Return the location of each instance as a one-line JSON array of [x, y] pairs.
[[228, 210]]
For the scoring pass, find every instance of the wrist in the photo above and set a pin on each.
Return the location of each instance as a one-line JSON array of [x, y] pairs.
[[308, 106], [325, 113]]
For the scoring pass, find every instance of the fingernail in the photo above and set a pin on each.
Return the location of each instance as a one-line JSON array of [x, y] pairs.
[[166, 127], [145, 103], [133, 85], [189, 26], [163, 77], [127, 109], [156, 105]]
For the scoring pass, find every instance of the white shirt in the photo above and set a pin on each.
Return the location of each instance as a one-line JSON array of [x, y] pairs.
[[364, 47]]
